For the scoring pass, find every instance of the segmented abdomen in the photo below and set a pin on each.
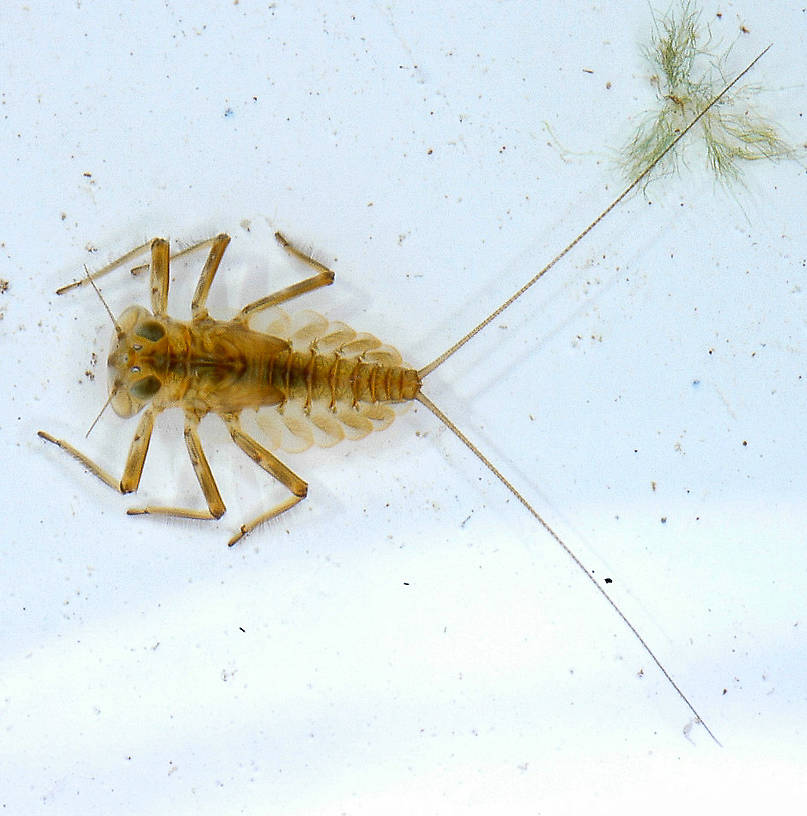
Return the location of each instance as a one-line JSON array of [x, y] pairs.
[[333, 383], [334, 379]]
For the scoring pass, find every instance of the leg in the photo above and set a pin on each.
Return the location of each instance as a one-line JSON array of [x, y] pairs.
[[160, 261], [302, 256], [132, 254], [135, 460], [199, 301], [274, 467], [215, 506], [160, 258], [96, 470], [324, 277], [124, 259]]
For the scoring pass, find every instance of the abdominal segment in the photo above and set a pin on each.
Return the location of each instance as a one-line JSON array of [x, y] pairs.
[[330, 384]]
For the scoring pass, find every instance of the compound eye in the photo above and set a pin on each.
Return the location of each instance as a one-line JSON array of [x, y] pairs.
[[145, 389], [150, 330]]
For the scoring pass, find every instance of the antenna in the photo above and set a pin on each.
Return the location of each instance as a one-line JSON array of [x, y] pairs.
[[112, 392], [118, 329]]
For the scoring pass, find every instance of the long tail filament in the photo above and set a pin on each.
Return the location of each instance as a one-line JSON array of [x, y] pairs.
[[426, 370]]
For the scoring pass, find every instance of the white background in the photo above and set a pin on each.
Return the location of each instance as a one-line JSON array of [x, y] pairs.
[[407, 639]]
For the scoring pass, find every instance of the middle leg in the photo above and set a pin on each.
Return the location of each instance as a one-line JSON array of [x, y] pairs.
[[215, 505]]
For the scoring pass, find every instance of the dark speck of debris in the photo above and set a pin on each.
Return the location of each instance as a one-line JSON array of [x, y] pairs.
[[406, 583], [3, 286], [228, 114], [242, 629], [745, 443], [695, 383], [664, 519], [609, 580]]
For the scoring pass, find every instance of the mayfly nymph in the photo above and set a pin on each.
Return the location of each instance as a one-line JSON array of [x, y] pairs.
[[324, 381]]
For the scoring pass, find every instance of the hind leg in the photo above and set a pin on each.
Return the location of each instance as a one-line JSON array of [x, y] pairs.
[[274, 467], [324, 277]]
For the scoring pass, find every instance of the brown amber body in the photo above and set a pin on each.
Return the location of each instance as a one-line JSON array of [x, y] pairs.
[[224, 367]]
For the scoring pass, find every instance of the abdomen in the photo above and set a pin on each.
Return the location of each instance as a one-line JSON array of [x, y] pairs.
[[315, 382]]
